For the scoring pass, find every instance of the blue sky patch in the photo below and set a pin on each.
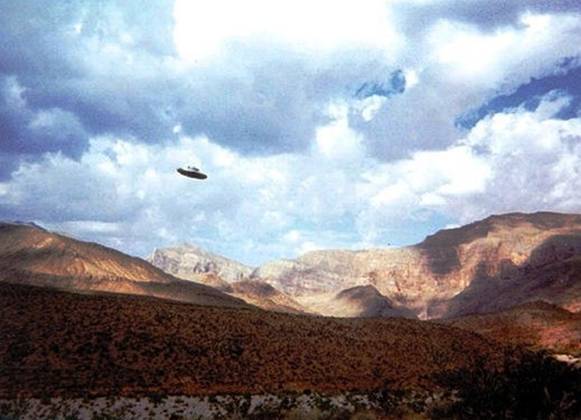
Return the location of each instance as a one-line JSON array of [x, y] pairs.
[[530, 95], [393, 86]]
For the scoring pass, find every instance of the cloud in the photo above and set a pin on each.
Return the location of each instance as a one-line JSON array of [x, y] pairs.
[[536, 160], [259, 84], [128, 195], [485, 58], [126, 70], [258, 208], [517, 161], [456, 66], [26, 132], [328, 125], [487, 15], [203, 29]]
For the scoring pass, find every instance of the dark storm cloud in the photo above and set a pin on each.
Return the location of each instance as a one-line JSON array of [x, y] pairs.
[[101, 67], [41, 36], [33, 35], [25, 131], [116, 105], [50, 98]]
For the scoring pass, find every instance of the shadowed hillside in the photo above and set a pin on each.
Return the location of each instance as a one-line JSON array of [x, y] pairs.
[[505, 259], [357, 302], [552, 273], [264, 296]]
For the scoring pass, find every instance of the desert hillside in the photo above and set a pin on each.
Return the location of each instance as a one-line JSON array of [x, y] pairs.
[[32, 255], [264, 296], [537, 325], [357, 302], [94, 349], [59, 343]]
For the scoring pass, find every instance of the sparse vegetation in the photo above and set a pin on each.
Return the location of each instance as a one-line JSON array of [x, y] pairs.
[[245, 363], [537, 325], [530, 385], [132, 346]]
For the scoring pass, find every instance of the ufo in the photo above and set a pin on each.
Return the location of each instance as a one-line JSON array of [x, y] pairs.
[[192, 172]]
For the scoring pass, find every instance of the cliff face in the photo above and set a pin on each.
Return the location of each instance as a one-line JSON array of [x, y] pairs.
[[455, 271], [192, 263], [31, 255], [315, 272], [188, 262]]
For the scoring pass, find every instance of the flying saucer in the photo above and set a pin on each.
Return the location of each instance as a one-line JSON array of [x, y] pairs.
[[192, 172]]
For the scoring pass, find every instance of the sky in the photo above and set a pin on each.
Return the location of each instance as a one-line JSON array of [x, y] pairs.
[[321, 124]]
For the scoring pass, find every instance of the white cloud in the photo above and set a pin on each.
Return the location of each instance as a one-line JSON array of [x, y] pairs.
[[204, 28], [256, 208], [411, 78], [453, 66], [468, 55], [535, 162], [518, 161], [337, 140]]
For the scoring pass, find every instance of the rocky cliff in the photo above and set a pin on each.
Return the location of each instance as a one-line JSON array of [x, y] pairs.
[[494, 263], [189, 261]]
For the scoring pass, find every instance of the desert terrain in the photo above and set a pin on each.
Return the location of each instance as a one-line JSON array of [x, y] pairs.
[[88, 330]]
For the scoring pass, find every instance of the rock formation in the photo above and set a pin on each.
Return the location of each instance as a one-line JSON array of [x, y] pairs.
[[189, 261], [494, 263]]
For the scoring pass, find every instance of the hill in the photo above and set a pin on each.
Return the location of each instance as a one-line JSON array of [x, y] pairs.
[[63, 344], [264, 296], [358, 302], [32, 255], [538, 325]]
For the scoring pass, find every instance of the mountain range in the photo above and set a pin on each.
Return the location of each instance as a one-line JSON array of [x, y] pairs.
[[485, 267], [488, 265], [189, 261]]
